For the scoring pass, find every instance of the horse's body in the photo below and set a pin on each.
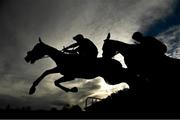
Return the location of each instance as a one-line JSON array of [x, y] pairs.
[[71, 67], [159, 76]]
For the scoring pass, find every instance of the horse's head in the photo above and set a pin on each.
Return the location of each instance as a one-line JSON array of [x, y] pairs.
[[108, 48], [36, 53]]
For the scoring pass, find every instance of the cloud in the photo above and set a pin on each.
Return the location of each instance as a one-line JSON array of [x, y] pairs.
[[57, 21], [171, 38]]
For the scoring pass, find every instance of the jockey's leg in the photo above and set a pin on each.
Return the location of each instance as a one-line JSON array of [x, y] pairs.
[[65, 79], [38, 80]]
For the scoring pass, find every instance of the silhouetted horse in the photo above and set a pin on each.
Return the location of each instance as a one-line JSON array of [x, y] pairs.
[[72, 67], [162, 73]]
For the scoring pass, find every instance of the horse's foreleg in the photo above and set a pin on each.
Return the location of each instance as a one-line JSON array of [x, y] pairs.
[[65, 79], [36, 82]]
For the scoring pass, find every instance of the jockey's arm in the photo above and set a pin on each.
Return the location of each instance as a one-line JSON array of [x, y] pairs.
[[72, 46]]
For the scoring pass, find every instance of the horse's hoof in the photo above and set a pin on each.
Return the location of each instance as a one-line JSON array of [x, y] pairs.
[[32, 90], [74, 89]]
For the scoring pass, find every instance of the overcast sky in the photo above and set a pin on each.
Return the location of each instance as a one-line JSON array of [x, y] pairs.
[[56, 22]]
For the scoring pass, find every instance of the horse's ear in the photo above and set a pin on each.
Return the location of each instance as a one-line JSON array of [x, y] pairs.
[[40, 41], [108, 36]]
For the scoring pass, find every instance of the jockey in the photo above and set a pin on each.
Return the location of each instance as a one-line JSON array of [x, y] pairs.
[[150, 44], [84, 48], [151, 54]]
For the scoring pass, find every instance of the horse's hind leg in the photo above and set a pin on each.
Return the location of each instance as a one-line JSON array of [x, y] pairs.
[[65, 79]]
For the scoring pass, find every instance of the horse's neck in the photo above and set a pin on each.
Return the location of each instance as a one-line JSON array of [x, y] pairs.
[[122, 48], [52, 52]]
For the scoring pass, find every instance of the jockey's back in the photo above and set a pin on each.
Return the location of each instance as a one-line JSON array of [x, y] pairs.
[[88, 49]]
